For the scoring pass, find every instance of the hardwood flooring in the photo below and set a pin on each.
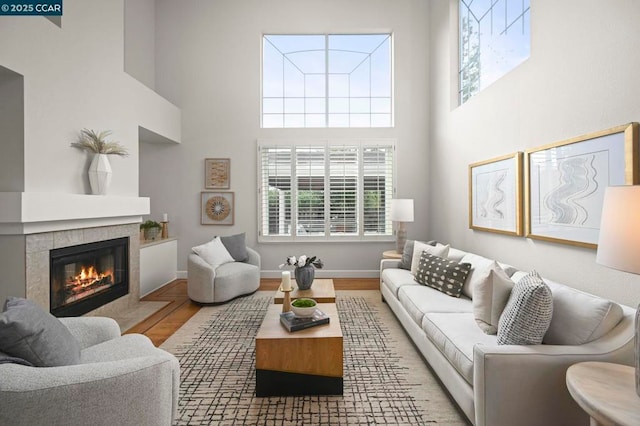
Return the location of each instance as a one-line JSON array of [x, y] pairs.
[[159, 326]]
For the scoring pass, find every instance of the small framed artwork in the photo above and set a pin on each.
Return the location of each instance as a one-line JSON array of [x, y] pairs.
[[217, 208], [217, 173], [566, 181], [495, 195]]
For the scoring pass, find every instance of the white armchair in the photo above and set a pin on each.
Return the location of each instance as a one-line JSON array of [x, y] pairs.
[[121, 380], [224, 283]]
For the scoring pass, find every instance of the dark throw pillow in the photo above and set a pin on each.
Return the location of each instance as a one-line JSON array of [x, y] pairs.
[[236, 246], [34, 335], [447, 276], [527, 316], [407, 255]]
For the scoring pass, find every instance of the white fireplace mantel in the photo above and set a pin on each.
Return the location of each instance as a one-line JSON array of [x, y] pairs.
[[23, 213]]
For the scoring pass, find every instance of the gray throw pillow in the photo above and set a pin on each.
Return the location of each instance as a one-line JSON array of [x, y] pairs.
[[447, 276], [407, 255], [236, 246], [6, 359], [29, 333], [527, 316]]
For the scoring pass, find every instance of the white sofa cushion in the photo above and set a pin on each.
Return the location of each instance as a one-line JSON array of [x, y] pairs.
[[395, 278], [455, 254], [455, 335], [527, 316], [490, 296], [214, 253], [419, 247], [579, 317], [419, 300], [479, 264]]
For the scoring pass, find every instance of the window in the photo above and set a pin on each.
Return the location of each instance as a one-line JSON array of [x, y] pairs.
[[326, 80], [494, 38], [326, 190]]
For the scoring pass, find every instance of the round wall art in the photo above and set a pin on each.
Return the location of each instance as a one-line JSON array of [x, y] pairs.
[[217, 208]]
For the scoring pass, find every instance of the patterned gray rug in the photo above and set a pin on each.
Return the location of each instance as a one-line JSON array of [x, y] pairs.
[[385, 380]]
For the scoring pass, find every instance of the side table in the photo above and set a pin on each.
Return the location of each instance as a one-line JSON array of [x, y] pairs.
[[391, 254], [606, 392]]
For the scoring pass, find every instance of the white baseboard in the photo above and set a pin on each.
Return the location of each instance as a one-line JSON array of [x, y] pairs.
[[325, 273]]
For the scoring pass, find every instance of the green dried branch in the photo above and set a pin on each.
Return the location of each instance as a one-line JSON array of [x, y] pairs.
[[91, 141]]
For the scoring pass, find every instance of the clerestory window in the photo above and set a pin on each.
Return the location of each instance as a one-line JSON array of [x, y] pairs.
[[495, 37], [325, 190], [327, 80]]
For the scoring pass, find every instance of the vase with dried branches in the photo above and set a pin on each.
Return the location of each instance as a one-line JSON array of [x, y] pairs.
[[100, 168]]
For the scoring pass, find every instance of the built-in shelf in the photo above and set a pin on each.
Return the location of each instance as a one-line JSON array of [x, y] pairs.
[[158, 264]]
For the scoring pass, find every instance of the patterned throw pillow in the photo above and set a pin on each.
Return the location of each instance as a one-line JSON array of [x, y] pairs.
[[527, 315], [447, 276]]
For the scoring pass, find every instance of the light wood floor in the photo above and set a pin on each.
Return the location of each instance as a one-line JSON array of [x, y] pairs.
[[159, 326]]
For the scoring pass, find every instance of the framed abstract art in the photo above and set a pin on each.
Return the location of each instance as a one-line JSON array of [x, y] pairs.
[[566, 181], [495, 195]]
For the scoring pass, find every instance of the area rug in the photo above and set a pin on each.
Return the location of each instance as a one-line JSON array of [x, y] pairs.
[[385, 380]]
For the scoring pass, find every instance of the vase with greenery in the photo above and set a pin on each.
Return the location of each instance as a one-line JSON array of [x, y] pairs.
[[150, 229], [100, 169]]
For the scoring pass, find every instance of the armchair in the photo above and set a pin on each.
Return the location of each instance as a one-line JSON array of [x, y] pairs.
[[224, 283], [121, 380]]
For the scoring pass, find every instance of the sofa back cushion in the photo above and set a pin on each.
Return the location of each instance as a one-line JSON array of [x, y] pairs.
[[442, 274], [579, 317]]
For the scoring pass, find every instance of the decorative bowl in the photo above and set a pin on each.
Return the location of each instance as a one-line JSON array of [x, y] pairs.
[[304, 311]]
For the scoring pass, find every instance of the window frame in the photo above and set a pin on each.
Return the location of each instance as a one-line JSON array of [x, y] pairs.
[[460, 91], [361, 143], [326, 96]]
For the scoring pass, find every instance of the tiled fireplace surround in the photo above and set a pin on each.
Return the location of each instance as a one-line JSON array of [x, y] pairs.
[[37, 247]]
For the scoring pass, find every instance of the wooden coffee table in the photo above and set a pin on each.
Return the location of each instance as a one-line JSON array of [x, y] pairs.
[[305, 362], [321, 290]]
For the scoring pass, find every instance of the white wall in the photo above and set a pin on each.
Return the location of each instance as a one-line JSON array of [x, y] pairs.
[[74, 78], [208, 63], [140, 40], [581, 77]]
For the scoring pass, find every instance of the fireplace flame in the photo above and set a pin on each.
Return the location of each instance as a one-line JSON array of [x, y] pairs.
[[88, 277]]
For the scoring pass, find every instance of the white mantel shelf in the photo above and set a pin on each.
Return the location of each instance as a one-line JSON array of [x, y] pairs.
[[34, 212]]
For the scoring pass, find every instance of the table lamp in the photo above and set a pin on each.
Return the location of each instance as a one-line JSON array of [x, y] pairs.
[[401, 212], [619, 241]]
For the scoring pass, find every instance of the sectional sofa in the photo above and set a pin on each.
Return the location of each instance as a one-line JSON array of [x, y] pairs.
[[502, 385]]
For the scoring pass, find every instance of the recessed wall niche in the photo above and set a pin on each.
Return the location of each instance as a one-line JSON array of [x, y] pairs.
[[11, 130]]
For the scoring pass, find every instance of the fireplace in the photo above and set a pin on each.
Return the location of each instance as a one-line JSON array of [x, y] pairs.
[[87, 276]]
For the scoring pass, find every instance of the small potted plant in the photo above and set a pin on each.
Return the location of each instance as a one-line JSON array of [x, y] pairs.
[[150, 229]]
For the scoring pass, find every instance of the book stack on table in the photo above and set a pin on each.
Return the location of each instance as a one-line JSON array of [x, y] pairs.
[[294, 323]]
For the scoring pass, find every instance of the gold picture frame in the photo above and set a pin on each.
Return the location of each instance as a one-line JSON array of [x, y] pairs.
[[565, 183], [217, 208], [217, 173], [495, 195]]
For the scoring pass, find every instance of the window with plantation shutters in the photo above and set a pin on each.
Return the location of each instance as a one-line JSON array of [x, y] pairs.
[[325, 190]]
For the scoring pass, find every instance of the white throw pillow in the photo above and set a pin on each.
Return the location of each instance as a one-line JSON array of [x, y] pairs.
[[214, 253], [419, 247], [490, 296]]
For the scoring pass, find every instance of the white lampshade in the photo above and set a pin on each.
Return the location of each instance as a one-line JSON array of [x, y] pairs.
[[401, 210], [619, 241]]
